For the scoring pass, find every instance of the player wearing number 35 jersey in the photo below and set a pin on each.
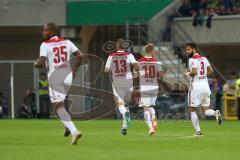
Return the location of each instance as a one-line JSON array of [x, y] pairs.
[[119, 65], [199, 91], [55, 53]]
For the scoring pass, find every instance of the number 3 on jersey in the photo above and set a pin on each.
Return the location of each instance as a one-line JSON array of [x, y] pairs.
[[60, 54]]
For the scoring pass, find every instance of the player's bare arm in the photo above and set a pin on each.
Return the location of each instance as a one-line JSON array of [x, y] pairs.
[[136, 76], [136, 67], [192, 73], [209, 70], [39, 63], [107, 70], [161, 74]]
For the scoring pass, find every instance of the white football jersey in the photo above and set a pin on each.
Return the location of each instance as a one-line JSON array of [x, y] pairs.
[[120, 65], [201, 63], [58, 52], [149, 69]]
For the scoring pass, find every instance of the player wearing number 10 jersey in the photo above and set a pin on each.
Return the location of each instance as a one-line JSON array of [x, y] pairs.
[[55, 54], [151, 71], [199, 91], [119, 65]]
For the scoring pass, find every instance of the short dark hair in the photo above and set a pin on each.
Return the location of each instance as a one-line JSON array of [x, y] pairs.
[[52, 27], [233, 73], [192, 45]]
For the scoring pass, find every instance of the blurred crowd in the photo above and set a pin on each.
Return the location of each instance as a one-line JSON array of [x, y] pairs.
[[209, 7], [201, 11]]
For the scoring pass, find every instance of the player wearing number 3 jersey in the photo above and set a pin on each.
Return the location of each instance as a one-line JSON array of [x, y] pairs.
[[55, 53], [199, 91], [119, 65]]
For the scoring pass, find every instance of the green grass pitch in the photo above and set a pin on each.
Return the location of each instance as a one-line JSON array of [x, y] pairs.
[[43, 140]]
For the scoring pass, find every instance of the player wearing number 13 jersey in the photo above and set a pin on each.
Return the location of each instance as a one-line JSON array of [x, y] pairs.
[[119, 65], [199, 91], [55, 54]]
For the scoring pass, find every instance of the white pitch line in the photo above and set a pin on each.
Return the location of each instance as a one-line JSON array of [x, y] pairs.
[[157, 136], [189, 137]]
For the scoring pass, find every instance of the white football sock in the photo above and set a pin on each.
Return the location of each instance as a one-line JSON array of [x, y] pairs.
[[210, 112], [124, 125], [66, 119], [148, 119], [195, 121], [123, 110], [152, 112]]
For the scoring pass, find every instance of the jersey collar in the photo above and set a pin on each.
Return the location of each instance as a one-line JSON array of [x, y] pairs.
[[121, 51], [54, 37], [148, 57]]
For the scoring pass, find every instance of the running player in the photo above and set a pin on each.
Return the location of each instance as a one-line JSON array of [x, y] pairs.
[[55, 54], [151, 72], [119, 65], [199, 91]]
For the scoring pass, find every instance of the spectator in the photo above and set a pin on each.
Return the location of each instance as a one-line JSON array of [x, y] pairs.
[[238, 95], [3, 106], [230, 85], [28, 106], [235, 10], [185, 9], [236, 7], [203, 5], [228, 4], [217, 90], [223, 11], [44, 96], [213, 4], [198, 9]]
